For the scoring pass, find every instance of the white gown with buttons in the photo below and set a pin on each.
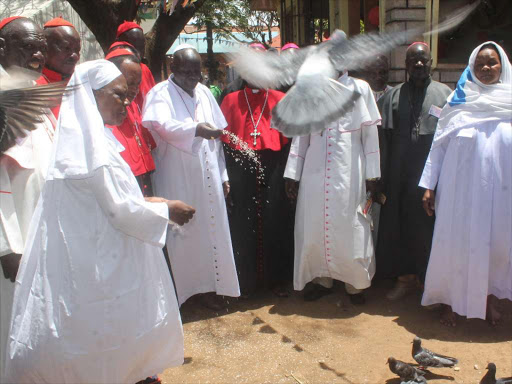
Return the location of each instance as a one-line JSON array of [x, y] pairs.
[[192, 169], [332, 235]]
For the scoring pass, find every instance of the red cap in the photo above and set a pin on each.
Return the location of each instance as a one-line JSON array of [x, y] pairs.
[[289, 46], [119, 52], [126, 26], [120, 44], [257, 46], [7, 20], [58, 22]]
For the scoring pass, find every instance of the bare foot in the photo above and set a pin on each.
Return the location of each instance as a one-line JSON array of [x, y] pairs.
[[448, 317], [493, 315]]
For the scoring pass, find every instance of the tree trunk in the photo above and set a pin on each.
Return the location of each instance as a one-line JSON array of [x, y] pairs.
[[104, 16], [165, 30], [211, 64]]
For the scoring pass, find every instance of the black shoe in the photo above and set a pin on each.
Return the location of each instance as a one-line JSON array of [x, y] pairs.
[[357, 299], [317, 292]]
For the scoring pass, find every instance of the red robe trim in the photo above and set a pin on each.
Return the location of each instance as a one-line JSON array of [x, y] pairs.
[[48, 77], [136, 140], [147, 82], [235, 110]]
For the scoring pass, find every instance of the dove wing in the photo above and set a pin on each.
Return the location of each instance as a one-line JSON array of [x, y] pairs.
[[21, 109], [352, 54], [268, 69], [424, 358]]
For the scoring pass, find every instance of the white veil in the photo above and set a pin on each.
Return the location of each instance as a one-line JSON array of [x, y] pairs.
[[80, 145]]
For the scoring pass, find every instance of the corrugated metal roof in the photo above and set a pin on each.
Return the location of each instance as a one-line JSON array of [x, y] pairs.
[[198, 40]]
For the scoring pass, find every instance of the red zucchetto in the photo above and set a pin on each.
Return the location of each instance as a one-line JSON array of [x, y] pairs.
[[58, 22], [7, 20], [126, 26], [119, 52]]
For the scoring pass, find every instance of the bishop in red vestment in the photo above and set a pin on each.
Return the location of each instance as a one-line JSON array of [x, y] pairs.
[[261, 218], [133, 34], [136, 139], [64, 46]]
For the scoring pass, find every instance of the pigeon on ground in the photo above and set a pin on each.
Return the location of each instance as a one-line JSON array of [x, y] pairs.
[[405, 371], [316, 98], [490, 376], [22, 106], [426, 358]]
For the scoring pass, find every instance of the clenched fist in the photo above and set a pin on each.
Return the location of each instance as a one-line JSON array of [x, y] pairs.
[[179, 212]]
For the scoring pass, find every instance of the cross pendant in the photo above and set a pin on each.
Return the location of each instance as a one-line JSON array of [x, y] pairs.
[[255, 135]]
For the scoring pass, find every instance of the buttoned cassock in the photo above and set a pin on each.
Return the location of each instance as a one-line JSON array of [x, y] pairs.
[[192, 169], [332, 235]]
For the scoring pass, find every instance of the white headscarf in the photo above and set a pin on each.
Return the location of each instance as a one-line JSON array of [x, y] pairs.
[[473, 102], [81, 145]]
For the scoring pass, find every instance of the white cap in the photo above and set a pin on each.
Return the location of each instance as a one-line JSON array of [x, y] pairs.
[[183, 46]]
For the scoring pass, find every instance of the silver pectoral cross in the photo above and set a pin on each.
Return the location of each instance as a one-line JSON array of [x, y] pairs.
[[255, 135]]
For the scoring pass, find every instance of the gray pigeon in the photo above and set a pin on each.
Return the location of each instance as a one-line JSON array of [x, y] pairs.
[[490, 376], [316, 98], [405, 371], [420, 379], [426, 358]]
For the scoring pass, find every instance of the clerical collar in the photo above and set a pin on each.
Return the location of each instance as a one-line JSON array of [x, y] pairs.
[[253, 90], [427, 82], [51, 75]]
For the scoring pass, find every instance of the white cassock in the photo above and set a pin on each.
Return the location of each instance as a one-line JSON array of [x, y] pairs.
[[192, 169], [94, 302], [22, 173], [332, 235], [471, 164]]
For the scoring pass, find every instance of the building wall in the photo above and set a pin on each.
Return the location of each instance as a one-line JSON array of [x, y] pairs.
[[401, 15]]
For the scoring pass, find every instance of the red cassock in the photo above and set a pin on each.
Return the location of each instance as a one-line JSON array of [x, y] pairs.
[[136, 140], [147, 82], [48, 77], [237, 114]]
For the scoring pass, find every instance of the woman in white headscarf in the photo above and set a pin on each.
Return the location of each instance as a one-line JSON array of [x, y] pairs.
[[470, 163], [94, 302]]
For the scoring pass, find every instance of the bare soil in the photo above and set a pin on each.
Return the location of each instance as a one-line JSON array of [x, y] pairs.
[[267, 339]]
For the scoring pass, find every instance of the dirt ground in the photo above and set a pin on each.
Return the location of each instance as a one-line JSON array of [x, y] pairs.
[[286, 340]]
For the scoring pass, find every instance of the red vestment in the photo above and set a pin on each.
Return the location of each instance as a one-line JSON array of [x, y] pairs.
[[48, 77], [136, 140], [147, 82], [236, 111]]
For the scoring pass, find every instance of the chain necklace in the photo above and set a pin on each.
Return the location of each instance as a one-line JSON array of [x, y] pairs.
[[417, 119], [255, 133]]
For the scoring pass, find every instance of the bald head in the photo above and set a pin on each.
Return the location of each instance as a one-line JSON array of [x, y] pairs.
[[186, 68], [63, 49], [22, 44], [418, 62]]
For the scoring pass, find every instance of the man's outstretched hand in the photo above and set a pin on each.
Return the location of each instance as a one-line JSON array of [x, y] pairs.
[[179, 212], [207, 131]]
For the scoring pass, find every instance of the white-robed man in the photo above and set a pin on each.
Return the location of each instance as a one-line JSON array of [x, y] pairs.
[[94, 302], [186, 121], [22, 167], [332, 230]]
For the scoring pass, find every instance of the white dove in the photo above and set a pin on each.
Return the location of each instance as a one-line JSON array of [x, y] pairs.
[[316, 97]]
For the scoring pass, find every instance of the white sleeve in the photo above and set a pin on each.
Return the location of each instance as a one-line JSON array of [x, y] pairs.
[[370, 135], [296, 158], [432, 169], [126, 212], [222, 162], [158, 116]]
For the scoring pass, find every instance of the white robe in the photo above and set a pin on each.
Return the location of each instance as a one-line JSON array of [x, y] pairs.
[[471, 255], [332, 236], [22, 173], [192, 169], [94, 302]]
